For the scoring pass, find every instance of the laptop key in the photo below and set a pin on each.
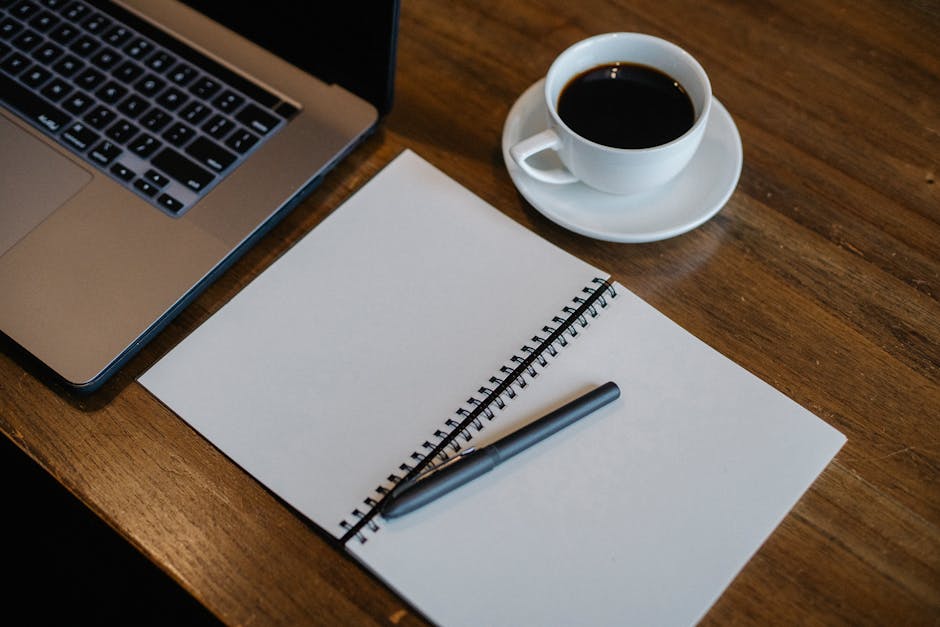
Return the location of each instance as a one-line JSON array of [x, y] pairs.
[[181, 169], [144, 145], [172, 98], [84, 46], [138, 49], [256, 118], [145, 187], [118, 35], [104, 153], [76, 12], [218, 126], [9, 27], [178, 134], [133, 105], [27, 41], [34, 108], [89, 79], [100, 117], [241, 141], [128, 72], [182, 74], [228, 102], [170, 203], [122, 131], [68, 65], [44, 21], [122, 172], [36, 76], [156, 178], [150, 85], [205, 87], [15, 63], [77, 102], [25, 9], [106, 58], [56, 89], [111, 92], [64, 33], [155, 119], [211, 154], [47, 53], [97, 24], [160, 61], [79, 136], [194, 112]]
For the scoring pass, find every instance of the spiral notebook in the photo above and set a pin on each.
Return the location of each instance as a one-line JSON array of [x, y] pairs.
[[418, 320]]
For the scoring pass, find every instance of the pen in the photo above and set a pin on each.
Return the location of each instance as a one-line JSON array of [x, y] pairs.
[[469, 465]]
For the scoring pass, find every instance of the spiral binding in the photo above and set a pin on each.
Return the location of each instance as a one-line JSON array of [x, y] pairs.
[[513, 377]]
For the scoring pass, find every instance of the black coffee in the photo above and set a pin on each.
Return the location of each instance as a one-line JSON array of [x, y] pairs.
[[626, 105]]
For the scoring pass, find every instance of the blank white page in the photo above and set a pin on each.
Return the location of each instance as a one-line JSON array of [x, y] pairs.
[[326, 372], [639, 514]]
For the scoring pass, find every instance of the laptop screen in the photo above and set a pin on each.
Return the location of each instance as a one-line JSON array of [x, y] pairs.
[[351, 42]]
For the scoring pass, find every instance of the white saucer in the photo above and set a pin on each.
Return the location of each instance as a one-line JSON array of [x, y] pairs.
[[694, 196]]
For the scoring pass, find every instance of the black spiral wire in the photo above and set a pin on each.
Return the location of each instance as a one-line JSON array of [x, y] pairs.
[[521, 368]]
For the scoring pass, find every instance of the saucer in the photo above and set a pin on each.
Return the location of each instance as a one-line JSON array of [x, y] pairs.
[[695, 195]]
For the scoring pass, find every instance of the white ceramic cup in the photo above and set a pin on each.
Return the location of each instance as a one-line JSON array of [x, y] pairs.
[[617, 170]]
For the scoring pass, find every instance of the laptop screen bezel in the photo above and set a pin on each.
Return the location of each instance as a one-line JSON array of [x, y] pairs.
[[351, 43]]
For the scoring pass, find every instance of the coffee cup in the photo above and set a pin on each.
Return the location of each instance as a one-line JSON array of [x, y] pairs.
[[626, 113]]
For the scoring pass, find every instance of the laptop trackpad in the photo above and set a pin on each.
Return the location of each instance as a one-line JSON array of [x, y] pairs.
[[34, 181]]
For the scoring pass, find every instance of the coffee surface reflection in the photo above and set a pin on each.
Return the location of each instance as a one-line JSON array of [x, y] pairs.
[[626, 105]]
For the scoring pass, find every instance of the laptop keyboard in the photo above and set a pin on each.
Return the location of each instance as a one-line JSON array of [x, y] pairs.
[[157, 116]]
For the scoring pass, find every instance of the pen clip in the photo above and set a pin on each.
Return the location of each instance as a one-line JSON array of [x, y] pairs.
[[427, 472]]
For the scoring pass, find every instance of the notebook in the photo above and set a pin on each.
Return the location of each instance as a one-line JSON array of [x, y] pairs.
[[145, 145], [418, 320]]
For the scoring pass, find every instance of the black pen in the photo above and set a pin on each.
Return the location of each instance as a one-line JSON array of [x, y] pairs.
[[469, 465]]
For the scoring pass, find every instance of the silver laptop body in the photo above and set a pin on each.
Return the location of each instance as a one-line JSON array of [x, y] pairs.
[[90, 270]]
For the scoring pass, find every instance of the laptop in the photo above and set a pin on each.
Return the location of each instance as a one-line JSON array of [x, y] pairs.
[[145, 145]]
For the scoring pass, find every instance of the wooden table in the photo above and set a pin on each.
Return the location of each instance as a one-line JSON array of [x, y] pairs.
[[820, 275]]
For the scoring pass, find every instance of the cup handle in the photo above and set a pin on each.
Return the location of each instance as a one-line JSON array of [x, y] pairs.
[[546, 140]]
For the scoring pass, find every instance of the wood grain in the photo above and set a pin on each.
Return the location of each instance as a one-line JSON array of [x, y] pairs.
[[821, 276]]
